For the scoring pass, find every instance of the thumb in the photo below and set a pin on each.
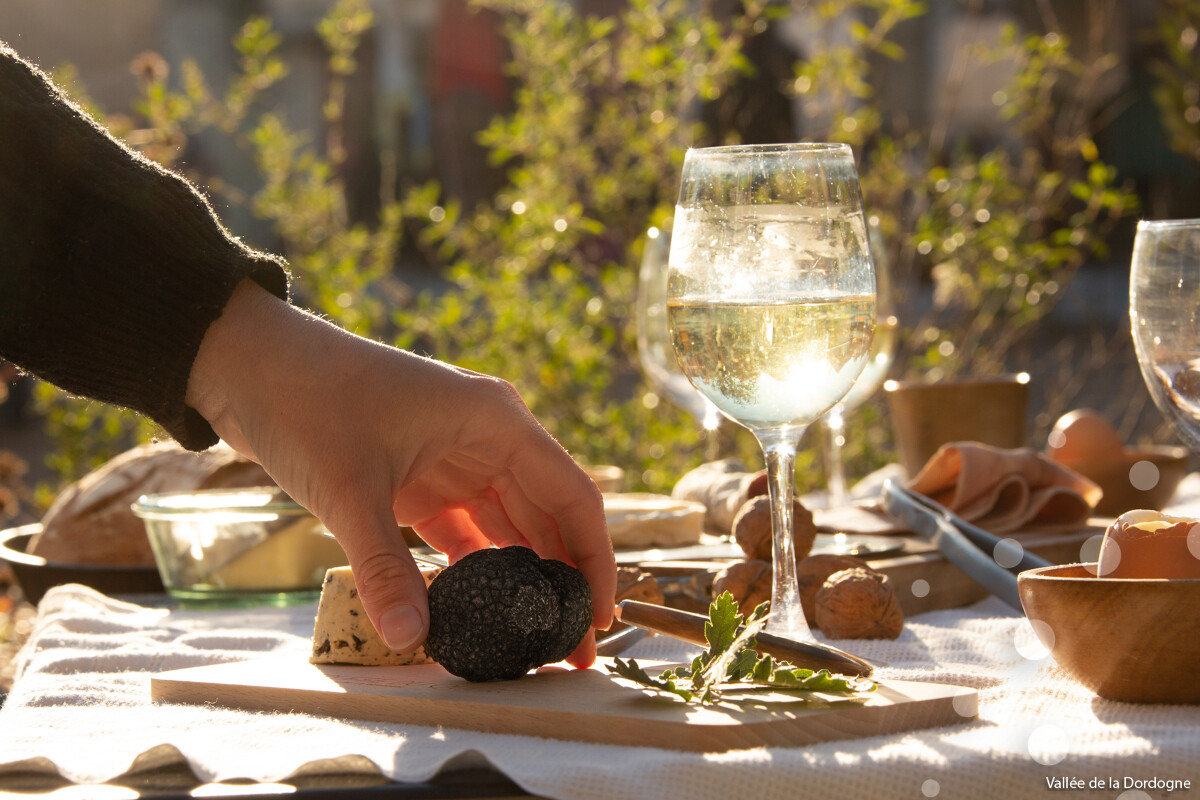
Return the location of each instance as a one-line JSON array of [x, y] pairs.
[[389, 583]]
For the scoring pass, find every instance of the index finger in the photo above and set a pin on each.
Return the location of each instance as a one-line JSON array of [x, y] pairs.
[[552, 481]]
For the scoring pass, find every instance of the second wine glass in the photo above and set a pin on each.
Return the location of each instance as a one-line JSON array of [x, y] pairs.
[[654, 342], [883, 353], [771, 306], [1164, 310]]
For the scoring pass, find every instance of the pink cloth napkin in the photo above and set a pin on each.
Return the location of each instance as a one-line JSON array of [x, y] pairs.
[[1006, 490]]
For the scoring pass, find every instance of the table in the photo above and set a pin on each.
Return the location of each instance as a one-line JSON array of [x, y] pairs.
[[80, 707]]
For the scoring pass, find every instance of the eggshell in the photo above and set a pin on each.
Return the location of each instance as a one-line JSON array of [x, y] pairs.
[[1147, 544], [1083, 435]]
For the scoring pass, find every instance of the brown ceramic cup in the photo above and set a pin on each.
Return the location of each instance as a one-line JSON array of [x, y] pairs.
[[925, 416]]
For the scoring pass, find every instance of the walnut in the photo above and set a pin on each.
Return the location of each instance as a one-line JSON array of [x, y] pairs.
[[637, 584], [811, 574], [752, 529], [859, 604], [748, 581]]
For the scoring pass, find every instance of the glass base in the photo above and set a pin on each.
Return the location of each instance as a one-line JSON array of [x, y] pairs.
[[201, 598]]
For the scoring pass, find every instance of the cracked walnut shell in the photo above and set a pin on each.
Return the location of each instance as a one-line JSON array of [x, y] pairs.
[[748, 581], [858, 604]]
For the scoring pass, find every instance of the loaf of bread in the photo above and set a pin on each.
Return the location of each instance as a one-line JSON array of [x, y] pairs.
[[91, 521], [722, 487]]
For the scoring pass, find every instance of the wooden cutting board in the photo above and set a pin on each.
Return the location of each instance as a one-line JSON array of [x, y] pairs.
[[585, 705]]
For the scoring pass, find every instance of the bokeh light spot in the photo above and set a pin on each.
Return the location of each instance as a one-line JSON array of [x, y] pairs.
[[1008, 553], [930, 788], [920, 587], [1089, 552], [1110, 557], [966, 705], [1049, 745], [1033, 639], [1143, 476]]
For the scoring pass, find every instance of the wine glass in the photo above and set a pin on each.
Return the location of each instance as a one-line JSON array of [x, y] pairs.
[[771, 306], [1164, 315], [654, 341], [883, 353]]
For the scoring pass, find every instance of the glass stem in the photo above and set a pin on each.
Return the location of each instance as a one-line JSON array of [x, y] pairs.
[[835, 422], [712, 421], [787, 615]]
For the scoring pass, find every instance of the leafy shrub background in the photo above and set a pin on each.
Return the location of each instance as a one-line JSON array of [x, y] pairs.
[[541, 279]]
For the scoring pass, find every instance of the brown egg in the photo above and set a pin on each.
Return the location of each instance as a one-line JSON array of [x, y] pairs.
[[1083, 435], [1147, 544]]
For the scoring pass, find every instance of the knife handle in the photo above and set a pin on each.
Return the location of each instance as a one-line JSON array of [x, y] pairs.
[[690, 628]]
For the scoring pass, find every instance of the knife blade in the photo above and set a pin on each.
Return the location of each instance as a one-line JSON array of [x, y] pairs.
[[690, 628]]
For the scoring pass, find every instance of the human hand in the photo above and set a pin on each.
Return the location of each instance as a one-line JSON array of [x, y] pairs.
[[370, 438]]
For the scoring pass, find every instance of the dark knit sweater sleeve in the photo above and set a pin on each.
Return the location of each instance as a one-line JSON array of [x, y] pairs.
[[111, 268]]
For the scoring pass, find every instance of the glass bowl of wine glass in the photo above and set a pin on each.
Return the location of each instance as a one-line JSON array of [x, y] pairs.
[[1164, 313]]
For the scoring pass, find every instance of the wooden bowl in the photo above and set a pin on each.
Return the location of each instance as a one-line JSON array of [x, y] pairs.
[[1113, 476], [1136, 640], [606, 476]]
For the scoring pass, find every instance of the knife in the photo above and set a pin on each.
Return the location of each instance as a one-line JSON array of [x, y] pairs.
[[690, 628], [968, 547]]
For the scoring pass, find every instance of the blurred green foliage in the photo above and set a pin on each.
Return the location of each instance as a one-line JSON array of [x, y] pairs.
[[541, 279], [1177, 91]]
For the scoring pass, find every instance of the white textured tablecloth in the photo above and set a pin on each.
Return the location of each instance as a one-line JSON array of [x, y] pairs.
[[81, 707]]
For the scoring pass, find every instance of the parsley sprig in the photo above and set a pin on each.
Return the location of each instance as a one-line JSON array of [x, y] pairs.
[[731, 663]]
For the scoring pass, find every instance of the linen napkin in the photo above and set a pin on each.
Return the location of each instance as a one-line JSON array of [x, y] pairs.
[[1006, 490]]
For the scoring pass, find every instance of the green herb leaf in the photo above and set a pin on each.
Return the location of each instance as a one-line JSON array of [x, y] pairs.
[[664, 683], [723, 621], [731, 663]]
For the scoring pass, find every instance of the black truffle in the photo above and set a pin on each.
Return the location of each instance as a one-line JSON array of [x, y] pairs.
[[496, 614]]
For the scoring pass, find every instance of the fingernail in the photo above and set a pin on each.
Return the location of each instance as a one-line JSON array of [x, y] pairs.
[[401, 626]]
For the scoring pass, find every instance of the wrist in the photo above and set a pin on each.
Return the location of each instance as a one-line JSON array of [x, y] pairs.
[[229, 355]]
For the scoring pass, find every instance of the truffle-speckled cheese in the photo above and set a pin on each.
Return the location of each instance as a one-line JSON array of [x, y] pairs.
[[343, 633]]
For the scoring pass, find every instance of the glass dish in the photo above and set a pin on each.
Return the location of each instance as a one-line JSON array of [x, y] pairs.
[[237, 547]]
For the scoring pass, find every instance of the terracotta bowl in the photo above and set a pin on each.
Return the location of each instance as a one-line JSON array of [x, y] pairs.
[[35, 575], [1136, 640], [1113, 476]]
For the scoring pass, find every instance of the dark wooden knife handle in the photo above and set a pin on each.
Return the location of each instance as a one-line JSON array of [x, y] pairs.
[[690, 628]]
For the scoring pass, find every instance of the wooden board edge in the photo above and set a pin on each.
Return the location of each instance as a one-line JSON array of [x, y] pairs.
[[939, 705]]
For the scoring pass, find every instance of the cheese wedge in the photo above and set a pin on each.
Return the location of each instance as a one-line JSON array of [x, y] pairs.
[[342, 633]]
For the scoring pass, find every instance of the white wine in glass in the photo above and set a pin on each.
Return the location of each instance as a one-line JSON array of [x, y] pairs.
[[654, 342], [771, 306]]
